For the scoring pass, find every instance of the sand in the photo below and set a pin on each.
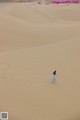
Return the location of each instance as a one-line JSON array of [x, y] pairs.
[[34, 41]]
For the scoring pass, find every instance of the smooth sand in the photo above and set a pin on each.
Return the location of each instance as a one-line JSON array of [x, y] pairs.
[[35, 40]]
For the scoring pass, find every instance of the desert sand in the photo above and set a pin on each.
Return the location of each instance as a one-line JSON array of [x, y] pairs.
[[34, 41]]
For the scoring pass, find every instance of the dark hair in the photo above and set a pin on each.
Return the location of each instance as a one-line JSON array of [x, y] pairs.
[[54, 72]]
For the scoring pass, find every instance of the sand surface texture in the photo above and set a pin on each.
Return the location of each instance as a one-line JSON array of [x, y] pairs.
[[35, 40]]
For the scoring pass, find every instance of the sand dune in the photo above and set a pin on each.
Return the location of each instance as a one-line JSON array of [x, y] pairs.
[[35, 40], [34, 27]]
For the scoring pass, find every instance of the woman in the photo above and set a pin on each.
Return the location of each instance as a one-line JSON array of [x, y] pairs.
[[54, 76]]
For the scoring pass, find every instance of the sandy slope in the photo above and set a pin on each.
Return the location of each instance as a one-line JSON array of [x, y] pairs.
[[35, 40]]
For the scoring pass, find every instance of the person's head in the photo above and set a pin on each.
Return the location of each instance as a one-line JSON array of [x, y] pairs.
[[54, 72]]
